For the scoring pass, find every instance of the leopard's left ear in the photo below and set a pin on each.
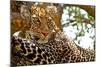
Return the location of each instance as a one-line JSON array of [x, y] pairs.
[[25, 12]]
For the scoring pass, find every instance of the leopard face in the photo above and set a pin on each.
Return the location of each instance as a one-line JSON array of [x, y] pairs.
[[39, 21], [43, 23]]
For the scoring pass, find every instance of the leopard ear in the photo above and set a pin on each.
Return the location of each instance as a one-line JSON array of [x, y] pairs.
[[25, 12]]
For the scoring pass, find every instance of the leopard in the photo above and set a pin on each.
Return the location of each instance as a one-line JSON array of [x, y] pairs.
[[43, 42]]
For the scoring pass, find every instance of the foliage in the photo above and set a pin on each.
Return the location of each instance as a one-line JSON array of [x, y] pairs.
[[81, 22]]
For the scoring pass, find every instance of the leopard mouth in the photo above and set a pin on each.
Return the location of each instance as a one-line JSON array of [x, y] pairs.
[[36, 38]]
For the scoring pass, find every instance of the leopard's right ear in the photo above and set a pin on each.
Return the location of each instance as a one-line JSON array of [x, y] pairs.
[[25, 12]]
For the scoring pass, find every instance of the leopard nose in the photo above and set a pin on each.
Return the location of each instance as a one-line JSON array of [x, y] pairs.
[[45, 33]]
